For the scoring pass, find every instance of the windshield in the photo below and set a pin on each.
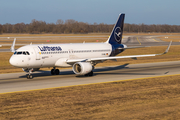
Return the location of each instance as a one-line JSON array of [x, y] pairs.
[[21, 53]]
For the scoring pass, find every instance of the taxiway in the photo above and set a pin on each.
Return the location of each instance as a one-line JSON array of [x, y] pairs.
[[12, 82]]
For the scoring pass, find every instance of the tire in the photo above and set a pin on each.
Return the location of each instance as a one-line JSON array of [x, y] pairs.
[[57, 72], [52, 71], [89, 74], [29, 76]]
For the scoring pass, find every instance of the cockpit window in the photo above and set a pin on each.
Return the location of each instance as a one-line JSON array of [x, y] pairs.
[[27, 53], [21, 53], [24, 53]]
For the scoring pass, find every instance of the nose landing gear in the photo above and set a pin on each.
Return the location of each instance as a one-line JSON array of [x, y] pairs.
[[29, 76], [54, 71]]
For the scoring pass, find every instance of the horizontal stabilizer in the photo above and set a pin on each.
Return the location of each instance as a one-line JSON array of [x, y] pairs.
[[133, 47]]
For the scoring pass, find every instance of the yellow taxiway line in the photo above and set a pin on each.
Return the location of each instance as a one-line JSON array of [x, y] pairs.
[[138, 40], [155, 40]]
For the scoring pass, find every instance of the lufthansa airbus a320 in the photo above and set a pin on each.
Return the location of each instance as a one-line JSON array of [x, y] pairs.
[[82, 57]]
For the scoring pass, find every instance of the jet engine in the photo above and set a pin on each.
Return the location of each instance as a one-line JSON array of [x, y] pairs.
[[31, 69], [82, 68]]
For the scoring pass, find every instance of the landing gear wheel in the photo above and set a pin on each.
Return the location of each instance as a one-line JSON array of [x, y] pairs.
[[52, 71], [29, 76], [55, 72], [89, 74]]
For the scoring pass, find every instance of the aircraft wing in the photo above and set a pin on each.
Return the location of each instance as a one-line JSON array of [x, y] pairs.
[[70, 61]]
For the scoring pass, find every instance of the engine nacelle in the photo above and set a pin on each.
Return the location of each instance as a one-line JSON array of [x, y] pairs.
[[31, 69], [82, 68]]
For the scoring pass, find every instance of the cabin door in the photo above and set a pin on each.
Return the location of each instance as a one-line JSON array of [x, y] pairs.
[[37, 53]]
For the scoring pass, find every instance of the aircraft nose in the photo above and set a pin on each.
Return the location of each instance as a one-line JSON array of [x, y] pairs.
[[13, 61]]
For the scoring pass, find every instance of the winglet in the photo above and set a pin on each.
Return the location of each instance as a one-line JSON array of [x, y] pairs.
[[12, 46], [168, 48]]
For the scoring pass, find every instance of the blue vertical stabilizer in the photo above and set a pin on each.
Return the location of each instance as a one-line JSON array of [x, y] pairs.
[[116, 34]]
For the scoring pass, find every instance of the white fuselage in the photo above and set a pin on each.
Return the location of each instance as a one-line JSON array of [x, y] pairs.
[[55, 55]]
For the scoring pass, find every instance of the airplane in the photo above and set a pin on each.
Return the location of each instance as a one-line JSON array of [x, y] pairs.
[[82, 57]]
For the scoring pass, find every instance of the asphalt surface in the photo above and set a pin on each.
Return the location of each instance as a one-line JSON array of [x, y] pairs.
[[43, 79]]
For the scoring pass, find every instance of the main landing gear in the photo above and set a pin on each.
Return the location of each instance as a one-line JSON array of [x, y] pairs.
[[54, 71], [89, 74]]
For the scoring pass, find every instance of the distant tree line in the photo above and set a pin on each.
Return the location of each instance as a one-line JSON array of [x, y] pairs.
[[72, 26]]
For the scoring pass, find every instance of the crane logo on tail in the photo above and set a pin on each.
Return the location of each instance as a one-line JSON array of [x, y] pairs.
[[117, 34]]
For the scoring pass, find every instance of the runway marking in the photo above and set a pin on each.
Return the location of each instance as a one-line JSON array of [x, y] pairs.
[[90, 84], [138, 40], [155, 40]]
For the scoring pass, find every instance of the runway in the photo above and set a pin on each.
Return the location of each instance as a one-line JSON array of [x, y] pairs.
[[18, 82], [127, 40]]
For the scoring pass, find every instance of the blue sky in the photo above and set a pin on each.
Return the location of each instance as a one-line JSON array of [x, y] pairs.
[[91, 11]]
